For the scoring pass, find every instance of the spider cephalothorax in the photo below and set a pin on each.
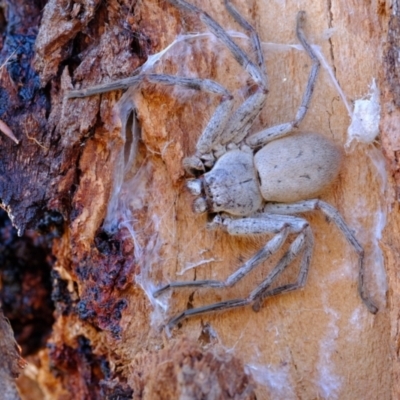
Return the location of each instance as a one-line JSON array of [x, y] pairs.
[[255, 184], [230, 186]]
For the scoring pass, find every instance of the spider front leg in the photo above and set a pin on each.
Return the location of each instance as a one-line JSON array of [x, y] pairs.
[[240, 122], [213, 129], [281, 225], [267, 135], [334, 215]]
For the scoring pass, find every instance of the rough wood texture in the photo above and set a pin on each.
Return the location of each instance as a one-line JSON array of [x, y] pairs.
[[11, 361], [24, 106], [107, 340], [391, 146]]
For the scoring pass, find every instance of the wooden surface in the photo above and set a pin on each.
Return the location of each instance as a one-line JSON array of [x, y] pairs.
[[319, 342]]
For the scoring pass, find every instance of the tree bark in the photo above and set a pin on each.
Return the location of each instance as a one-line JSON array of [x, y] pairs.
[[122, 221], [11, 362]]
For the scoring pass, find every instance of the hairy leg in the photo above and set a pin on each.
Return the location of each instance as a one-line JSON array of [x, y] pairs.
[[334, 215], [258, 294], [243, 118], [261, 138]]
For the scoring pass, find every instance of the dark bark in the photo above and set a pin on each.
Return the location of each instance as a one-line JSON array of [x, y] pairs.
[[25, 105]]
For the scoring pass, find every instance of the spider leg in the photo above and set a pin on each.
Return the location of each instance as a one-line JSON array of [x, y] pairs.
[[243, 118], [281, 225], [240, 56], [261, 138], [206, 85], [261, 256], [256, 295], [254, 38], [301, 278], [223, 305], [334, 215], [214, 127]]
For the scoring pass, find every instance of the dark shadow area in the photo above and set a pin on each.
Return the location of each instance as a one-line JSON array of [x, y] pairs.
[[25, 284]]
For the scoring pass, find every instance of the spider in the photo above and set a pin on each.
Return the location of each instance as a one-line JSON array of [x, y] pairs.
[[255, 184]]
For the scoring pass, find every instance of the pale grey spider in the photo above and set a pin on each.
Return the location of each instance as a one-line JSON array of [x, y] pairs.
[[255, 184]]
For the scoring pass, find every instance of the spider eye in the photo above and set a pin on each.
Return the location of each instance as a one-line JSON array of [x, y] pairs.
[[200, 205], [194, 186]]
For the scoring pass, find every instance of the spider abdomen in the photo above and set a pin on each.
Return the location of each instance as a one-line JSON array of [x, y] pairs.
[[297, 167]]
